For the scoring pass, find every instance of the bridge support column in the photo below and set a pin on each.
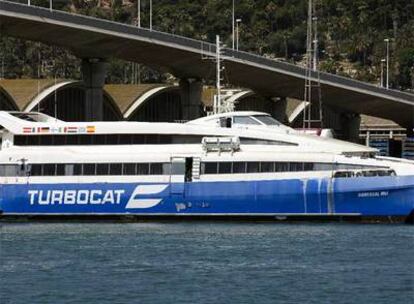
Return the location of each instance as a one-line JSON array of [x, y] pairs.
[[278, 109], [94, 74], [350, 123], [190, 90]]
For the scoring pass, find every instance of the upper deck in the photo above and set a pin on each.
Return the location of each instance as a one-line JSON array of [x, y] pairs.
[[252, 128]]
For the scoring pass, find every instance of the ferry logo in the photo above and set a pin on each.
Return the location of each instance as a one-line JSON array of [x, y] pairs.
[[75, 197], [135, 202]]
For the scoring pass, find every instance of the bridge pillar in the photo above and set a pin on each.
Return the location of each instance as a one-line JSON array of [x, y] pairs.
[[190, 90], [350, 123], [94, 74], [278, 109]]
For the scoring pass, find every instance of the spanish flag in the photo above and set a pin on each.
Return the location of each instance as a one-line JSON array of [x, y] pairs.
[[90, 129]]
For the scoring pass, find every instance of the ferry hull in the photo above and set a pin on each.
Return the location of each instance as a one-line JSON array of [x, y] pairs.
[[319, 198]]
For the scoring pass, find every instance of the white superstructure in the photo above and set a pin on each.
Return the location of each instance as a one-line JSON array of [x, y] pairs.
[[256, 137]]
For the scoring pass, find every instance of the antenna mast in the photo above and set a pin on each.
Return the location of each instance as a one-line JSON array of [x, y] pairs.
[[312, 86], [221, 104], [217, 97]]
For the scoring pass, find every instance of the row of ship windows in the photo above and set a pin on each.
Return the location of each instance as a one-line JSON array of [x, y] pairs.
[[165, 168], [255, 167], [124, 139], [86, 169]]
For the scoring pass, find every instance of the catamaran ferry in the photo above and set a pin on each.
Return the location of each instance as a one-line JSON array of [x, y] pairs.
[[232, 165]]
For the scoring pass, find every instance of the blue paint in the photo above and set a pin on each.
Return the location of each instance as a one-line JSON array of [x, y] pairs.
[[368, 196]]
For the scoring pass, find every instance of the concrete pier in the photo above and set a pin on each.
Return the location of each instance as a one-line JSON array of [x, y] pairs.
[[190, 90], [94, 74]]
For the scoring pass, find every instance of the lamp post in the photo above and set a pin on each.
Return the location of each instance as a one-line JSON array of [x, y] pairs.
[[238, 21], [150, 15], [28, 2], [387, 42], [232, 24], [51, 5], [382, 73], [139, 13]]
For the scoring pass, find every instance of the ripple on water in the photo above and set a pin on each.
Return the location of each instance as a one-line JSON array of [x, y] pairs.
[[206, 263]]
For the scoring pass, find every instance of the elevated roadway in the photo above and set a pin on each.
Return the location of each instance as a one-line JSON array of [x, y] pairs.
[[89, 37]]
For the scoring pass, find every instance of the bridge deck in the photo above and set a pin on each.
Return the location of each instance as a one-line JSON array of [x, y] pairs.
[[89, 37]]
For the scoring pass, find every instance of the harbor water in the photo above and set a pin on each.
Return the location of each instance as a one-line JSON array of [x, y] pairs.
[[201, 262]]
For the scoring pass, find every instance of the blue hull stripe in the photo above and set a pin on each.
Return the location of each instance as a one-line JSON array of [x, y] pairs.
[[365, 196]]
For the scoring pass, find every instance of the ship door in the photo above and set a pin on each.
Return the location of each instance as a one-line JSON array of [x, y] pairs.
[[177, 178], [181, 172]]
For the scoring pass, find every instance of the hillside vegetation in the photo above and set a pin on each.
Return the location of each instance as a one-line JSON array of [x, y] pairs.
[[351, 34]]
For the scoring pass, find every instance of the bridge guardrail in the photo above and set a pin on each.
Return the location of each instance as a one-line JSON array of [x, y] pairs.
[[197, 46]]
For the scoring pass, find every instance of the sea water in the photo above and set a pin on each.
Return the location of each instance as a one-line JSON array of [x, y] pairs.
[[202, 262]]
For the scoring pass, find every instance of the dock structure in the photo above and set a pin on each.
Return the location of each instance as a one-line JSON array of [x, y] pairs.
[[96, 40]]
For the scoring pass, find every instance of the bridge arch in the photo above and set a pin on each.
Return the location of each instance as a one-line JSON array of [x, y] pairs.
[[7, 102], [147, 102]]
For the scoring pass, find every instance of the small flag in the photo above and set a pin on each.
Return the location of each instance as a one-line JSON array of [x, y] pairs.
[[55, 130], [71, 130], [90, 129], [28, 130], [43, 130]]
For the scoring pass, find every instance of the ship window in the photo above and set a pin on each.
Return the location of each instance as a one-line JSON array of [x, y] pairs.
[[255, 141], [69, 169], [46, 140], [294, 167], [210, 168], [224, 167], [281, 167], [343, 174], [72, 140], [36, 170], [59, 140], [239, 167], [33, 140], [102, 169], [323, 167], [60, 169], [20, 140], [138, 139], [252, 167], [129, 169], [77, 169], [152, 139], [266, 167], [115, 169], [308, 166], [48, 169], [125, 139], [9, 170], [267, 120], [99, 139], [155, 169], [112, 139], [88, 169], [244, 120], [142, 169], [166, 168]]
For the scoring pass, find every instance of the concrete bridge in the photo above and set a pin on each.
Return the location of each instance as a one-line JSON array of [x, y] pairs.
[[95, 40]]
